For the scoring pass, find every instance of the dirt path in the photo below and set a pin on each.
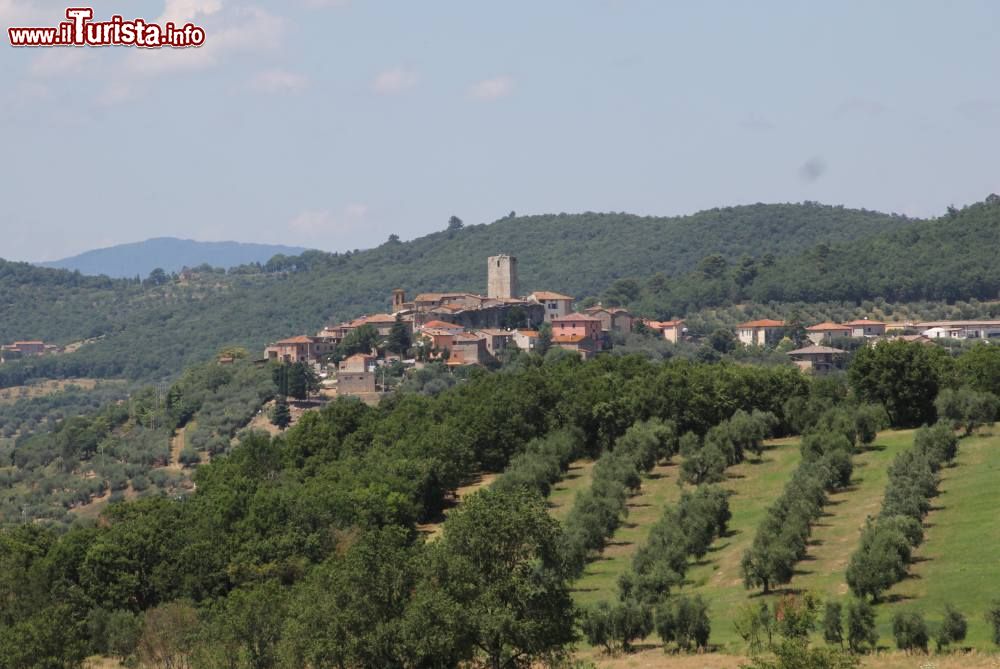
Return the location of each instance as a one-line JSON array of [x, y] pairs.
[[177, 444], [433, 529]]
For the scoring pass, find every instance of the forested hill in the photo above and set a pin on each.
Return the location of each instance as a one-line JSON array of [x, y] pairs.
[[169, 254], [945, 259], [154, 329]]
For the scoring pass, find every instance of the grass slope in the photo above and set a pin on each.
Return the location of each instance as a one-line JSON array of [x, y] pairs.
[[958, 561], [600, 579]]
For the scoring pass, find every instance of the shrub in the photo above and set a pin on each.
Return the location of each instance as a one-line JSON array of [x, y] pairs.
[[684, 621], [833, 624], [993, 620], [861, 632], [953, 628], [910, 631]]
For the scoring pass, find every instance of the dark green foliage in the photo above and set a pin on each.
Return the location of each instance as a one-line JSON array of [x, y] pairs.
[[833, 623], [616, 625], [883, 554], [869, 419], [992, 618], [281, 415], [706, 465], [861, 632], [684, 621], [902, 376], [399, 337], [967, 408], [953, 628], [910, 631], [499, 562], [781, 538], [274, 511], [302, 380], [682, 532]]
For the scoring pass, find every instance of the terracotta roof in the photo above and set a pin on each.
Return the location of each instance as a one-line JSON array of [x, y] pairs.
[[301, 339], [827, 327], [359, 356], [864, 321], [763, 323], [494, 332], [576, 317], [465, 336], [438, 332], [442, 325], [814, 350], [528, 333], [568, 339], [662, 325], [549, 295]]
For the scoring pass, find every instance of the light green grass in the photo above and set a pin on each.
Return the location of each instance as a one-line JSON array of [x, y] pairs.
[[835, 537], [600, 579], [959, 561], [564, 492]]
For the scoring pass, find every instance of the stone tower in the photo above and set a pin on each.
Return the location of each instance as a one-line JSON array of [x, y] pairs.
[[398, 299], [501, 278]]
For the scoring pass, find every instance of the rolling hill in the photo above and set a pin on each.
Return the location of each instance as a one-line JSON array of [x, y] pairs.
[[170, 254], [149, 331]]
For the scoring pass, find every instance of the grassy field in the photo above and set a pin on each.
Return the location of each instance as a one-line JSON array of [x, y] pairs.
[[564, 492], [959, 561], [43, 388], [600, 579]]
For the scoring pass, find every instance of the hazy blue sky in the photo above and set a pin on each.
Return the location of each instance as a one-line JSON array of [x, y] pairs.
[[334, 123]]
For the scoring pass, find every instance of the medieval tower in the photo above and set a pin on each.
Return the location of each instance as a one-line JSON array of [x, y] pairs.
[[501, 280]]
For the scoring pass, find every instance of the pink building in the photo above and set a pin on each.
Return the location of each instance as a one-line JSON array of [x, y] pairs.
[[577, 324]]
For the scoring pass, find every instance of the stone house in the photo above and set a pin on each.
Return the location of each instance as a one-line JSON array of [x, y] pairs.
[[764, 332], [556, 305]]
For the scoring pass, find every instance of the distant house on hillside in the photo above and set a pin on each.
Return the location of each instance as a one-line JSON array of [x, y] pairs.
[[556, 305], [822, 332], [526, 340], [359, 362], [866, 328], [585, 346], [764, 332], [293, 349], [613, 319], [818, 359], [672, 331], [959, 329], [577, 324]]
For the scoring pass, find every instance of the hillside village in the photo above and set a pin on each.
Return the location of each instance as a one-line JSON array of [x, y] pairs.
[[463, 328]]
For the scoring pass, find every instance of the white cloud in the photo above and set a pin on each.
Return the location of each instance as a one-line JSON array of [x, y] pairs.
[[311, 222], [356, 211], [116, 93], [57, 62], [395, 80], [183, 11], [323, 223], [492, 89], [248, 29], [28, 14], [323, 4], [279, 81]]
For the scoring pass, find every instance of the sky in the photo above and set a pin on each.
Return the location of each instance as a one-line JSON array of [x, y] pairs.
[[334, 123]]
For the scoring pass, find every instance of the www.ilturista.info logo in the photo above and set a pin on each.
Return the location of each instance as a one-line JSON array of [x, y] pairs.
[[82, 30]]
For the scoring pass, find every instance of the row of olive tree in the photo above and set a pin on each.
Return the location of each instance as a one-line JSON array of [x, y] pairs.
[[883, 556]]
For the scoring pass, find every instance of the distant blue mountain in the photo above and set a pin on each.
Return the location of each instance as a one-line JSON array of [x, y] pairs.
[[169, 254]]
